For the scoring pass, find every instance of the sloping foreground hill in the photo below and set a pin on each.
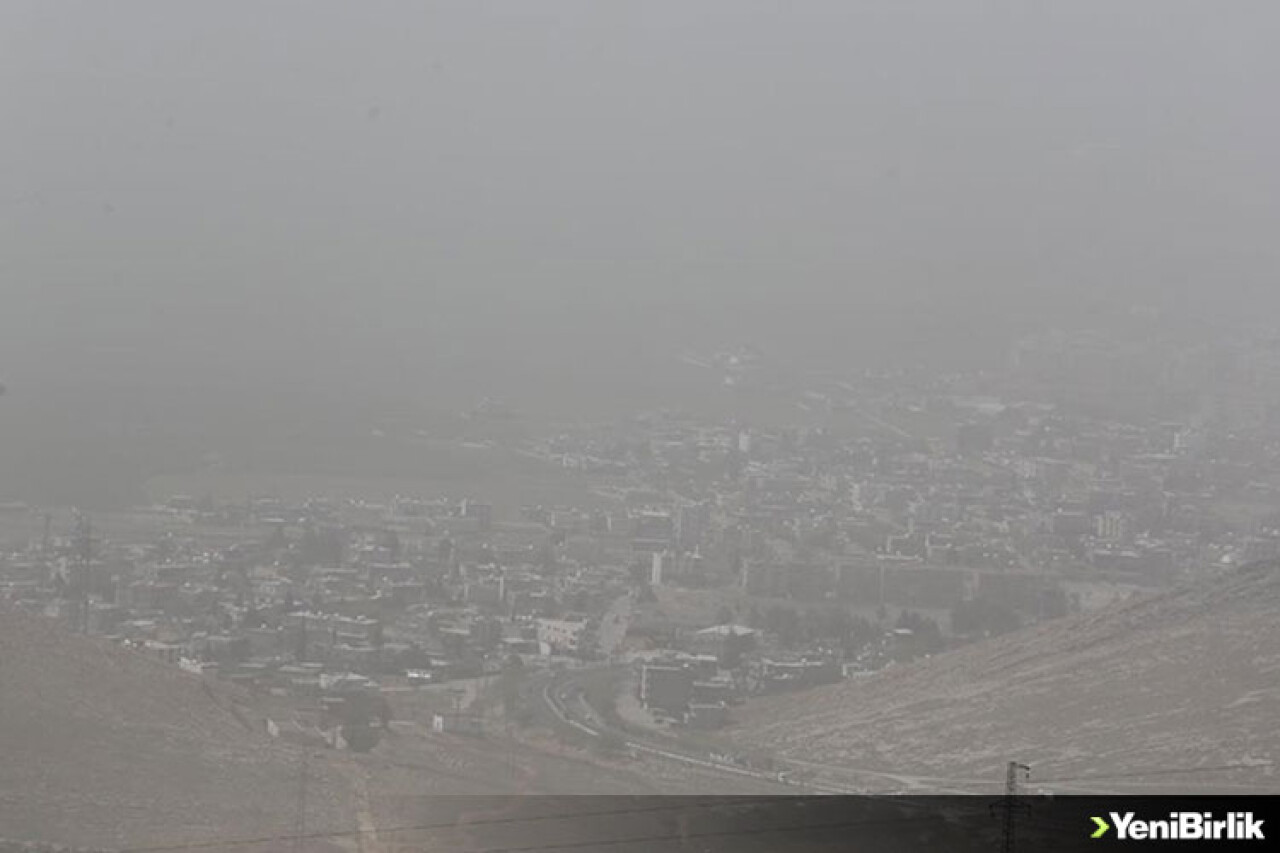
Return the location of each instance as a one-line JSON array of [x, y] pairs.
[[1185, 678], [102, 747]]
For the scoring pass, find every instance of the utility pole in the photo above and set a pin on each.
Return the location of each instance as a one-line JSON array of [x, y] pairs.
[[300, 821], [1013, 772], [84, 551]]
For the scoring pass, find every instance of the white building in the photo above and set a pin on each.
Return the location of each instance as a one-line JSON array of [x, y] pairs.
[[661, 560], [560, 636]]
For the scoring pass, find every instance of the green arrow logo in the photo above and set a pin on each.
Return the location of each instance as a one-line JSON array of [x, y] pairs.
[[1103, 826]]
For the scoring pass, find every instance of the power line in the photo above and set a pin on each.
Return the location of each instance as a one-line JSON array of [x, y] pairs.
[[1163, 771], [567, 845], [730, 804], [241, 842], [198, 845], [685, 836], [300, 822]]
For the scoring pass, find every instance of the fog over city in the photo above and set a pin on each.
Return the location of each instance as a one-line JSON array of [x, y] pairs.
[[368, 193], [752, 347]]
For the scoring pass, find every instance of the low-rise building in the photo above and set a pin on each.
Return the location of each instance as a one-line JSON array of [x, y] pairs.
[[668, 689], [561, 636]]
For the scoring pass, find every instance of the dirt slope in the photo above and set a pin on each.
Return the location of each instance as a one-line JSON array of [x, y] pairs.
[[1184, 678], [103, 747]]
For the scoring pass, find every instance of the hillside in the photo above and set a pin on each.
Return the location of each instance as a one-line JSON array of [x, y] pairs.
[[103, 747], [1185, 678]]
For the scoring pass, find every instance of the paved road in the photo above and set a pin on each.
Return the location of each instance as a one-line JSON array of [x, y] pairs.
[[562, 700]]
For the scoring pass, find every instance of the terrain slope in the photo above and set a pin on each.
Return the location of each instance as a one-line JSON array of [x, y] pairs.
[[104, 747], [1134, 695]]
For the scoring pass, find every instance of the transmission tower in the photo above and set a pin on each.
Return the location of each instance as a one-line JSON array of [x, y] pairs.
[[1013, 774]]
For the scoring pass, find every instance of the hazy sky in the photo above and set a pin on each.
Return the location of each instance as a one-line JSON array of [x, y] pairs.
[[359, 189]]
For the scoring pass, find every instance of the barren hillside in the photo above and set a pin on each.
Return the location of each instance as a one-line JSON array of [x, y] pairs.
[[103, 747], [1187, 678]]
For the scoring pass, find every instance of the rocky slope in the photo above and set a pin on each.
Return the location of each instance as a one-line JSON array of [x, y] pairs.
[[1132, 695], [104, 747]]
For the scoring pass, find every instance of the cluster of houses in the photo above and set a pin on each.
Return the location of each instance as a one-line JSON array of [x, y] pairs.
[[940, 496], [698, 690]]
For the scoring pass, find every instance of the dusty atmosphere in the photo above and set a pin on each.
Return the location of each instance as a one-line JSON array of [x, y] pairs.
[[647, 400]]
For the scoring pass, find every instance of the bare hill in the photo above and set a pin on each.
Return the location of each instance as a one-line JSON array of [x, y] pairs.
[[1186, 678], [103, 747]]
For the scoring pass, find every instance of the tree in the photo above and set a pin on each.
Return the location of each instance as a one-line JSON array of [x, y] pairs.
[[321, 547], [360, 738], [736, 646], [252, 618], [300, 652], [735, 464], [1055, 603], [926, 631], [579, 601], [276, 539], [784, 623], [857, 634], [390, 540], [547, 558], [982, 616], [830, 623]]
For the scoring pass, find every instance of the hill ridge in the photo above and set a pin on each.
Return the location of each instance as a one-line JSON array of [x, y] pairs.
[[1181, 677], [106, 747]]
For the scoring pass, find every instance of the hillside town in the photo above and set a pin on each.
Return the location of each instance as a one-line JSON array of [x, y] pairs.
[[715, 560], [570, 426]]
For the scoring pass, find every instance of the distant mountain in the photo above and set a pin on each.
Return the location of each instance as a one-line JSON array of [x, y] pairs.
[[1123, 699], [105, 748]]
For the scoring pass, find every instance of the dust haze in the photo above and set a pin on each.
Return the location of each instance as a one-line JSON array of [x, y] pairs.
[[758, 345]]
